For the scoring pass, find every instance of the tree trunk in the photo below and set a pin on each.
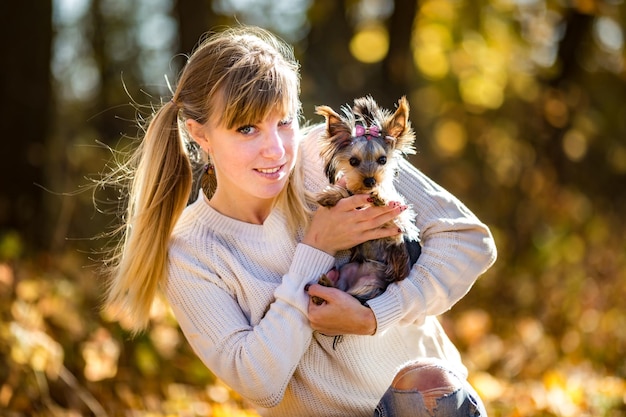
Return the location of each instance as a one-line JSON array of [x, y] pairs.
[[195, 18], [25, 88], [398, 68]]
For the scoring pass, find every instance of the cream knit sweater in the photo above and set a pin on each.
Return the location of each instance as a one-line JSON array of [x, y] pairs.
[[237, 291]]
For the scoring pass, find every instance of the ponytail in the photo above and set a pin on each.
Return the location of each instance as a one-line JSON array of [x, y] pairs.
[[238, 76], [160, 184]]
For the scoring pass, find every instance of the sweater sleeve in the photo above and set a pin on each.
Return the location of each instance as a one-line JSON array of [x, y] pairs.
[[456, 249], [256, 360]]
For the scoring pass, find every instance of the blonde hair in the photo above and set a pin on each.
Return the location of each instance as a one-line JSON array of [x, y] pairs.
[[241, 74]]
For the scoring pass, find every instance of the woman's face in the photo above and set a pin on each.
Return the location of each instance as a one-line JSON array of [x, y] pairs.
[[252, 162]]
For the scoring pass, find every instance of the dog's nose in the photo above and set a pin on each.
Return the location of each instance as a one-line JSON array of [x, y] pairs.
[[369, 182]]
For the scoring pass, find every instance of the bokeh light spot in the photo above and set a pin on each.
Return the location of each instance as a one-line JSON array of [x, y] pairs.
[[450, 138], [370, 44], [481, 91], [575, 145]]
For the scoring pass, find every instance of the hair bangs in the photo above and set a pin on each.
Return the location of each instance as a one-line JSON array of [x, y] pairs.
[[251, 92]]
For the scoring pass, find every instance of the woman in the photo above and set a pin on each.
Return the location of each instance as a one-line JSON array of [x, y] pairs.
[[237, 264]]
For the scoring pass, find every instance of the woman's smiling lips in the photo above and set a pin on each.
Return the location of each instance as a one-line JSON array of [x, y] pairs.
[[272, 173]]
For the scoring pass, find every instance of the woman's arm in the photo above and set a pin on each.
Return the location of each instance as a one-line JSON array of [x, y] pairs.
[[456, 249], [257, 361]]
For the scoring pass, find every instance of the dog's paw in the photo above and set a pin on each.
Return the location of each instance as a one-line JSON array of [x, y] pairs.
[[331, 196], [325, 281], [327, 200], [317, 300], [376, 199]]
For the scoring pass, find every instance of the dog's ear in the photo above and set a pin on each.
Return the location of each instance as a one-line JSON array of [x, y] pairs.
[[338, 135], [398, 127], [338, 130], [397, 124]]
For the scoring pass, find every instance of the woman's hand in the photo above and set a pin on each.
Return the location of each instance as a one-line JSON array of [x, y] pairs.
[[351, 222], [340, 313]]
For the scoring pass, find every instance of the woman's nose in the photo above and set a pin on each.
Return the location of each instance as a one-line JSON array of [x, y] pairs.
[[273, 145]]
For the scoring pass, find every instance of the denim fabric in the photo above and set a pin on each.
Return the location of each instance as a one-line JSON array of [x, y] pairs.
[[464, 402]]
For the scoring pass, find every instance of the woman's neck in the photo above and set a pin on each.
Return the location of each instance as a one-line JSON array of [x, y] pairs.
[[248, 210]]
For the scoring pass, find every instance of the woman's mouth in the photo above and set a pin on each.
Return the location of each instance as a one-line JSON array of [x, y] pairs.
[[271, 173], [269, 170]]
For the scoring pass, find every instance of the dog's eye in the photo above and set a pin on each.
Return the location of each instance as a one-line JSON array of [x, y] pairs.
[[382, 160], [354, 161]]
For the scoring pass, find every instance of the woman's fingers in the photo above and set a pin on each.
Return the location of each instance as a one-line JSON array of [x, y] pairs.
[[353, 220], [371, 218], [339, 313]]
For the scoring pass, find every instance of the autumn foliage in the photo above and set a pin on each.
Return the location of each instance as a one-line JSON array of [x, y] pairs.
[[519, 110]]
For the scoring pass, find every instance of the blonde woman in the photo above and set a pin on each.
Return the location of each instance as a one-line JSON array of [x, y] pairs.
[[237, 264]]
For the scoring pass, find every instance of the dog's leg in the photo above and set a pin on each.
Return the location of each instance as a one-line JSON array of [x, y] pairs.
[[398, 262], [325, 281], [377, 199], [331, 195]]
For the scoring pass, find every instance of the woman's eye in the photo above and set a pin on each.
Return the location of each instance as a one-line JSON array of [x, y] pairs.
[[246, 130]]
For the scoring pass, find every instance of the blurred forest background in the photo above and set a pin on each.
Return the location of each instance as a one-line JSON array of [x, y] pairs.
[[520, 110]]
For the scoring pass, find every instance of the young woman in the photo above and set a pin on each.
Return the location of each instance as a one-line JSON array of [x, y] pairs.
[[237, 264]]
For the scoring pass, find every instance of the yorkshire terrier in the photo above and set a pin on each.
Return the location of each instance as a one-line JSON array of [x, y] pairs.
[[362, 147]]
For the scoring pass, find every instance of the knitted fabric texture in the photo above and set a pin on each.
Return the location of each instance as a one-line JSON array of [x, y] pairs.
[[237, 291]]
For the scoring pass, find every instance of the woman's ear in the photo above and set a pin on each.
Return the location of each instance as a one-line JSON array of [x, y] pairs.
[[198, 133]]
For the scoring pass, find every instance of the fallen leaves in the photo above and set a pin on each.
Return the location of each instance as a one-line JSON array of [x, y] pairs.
[[53, 337]]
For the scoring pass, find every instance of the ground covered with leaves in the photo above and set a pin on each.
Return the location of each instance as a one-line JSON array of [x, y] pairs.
[[60, 355]]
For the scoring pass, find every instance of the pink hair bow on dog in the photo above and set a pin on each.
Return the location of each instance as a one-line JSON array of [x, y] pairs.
[[360, 130]]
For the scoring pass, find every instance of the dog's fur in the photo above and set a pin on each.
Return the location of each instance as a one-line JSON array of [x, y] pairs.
[[368, 164]]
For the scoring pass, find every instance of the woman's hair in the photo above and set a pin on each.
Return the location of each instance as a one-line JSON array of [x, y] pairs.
[[240, 76]]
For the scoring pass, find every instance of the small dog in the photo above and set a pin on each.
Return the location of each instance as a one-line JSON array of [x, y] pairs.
[[363, 148]]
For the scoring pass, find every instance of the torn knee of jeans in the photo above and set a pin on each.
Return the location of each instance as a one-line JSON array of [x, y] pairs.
[[425, 377], [431, 396], [430, 381]]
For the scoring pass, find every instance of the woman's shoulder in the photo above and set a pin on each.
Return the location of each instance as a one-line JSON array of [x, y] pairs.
[[197, 227], [310, 153], [194, 237], [309, 142], [191, 215]]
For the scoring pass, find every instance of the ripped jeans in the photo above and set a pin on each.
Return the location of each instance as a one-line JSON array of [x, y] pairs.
[[428, 388]]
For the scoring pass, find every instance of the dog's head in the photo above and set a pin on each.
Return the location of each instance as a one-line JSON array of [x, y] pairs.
[[363, 145]]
